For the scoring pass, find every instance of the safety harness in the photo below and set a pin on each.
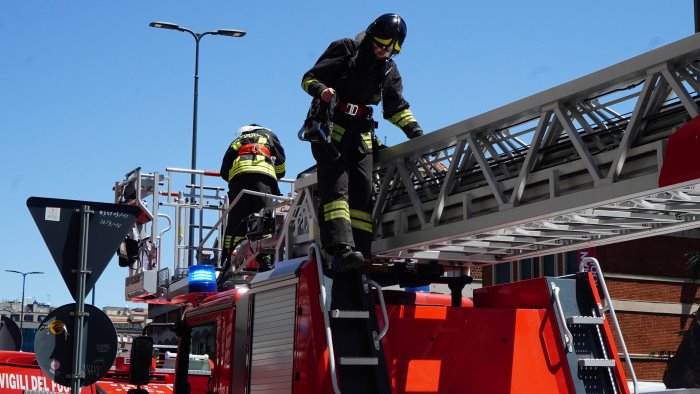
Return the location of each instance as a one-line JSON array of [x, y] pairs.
[[254, 149], [354, 109]]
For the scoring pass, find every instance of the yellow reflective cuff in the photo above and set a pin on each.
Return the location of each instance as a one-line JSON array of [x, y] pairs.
[[338, 132], [337, 204], [262, 140], [281, 168], [236, 145], [306, 83], [337, 215], [360, 225], [367, 139], [227, 241], [402, 118], [362, 215]]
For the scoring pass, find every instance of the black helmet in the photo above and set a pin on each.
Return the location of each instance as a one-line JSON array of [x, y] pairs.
[[388, 31]]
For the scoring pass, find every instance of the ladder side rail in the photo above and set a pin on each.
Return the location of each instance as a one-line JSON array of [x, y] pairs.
[[154, 257], [621, 76], [326, 320], [599, 273]]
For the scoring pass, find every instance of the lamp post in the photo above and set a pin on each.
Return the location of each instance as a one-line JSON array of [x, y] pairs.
[[197, 38], [24, 279]]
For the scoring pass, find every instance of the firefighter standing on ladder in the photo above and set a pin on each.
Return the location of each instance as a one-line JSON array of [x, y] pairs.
[[357, 73], [254, 161]]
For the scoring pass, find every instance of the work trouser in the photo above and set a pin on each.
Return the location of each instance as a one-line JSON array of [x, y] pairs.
[[345, 188], [236, 225]]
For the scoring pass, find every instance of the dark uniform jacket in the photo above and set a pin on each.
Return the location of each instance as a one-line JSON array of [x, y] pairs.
[[254, 160], [349, 67]]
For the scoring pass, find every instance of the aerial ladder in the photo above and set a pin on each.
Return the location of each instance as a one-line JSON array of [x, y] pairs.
[[602, 159]]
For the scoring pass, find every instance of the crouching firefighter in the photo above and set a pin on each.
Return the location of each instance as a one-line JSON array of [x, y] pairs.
[[350, 76], [254, 161]]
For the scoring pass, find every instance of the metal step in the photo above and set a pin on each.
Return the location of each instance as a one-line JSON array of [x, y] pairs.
[[584, 320], [596, 363], [359, 361], [338, 314]]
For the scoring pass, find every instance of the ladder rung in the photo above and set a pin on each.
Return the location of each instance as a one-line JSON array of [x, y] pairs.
[[338, 314], [596, 362], [359, 361], [584, 320]]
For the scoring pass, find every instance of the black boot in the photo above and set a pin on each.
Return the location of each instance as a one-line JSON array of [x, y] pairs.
[[345, 259]]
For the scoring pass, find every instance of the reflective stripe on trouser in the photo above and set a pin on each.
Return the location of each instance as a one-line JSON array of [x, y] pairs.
[[346, 179], [361, 220]]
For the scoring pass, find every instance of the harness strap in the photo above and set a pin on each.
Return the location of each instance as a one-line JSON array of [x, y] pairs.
[[255, 149], [354, 109]]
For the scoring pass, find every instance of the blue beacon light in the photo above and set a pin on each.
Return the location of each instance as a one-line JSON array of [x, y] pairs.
[[201, 278]]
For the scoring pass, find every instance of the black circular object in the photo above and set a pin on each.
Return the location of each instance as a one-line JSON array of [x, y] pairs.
[[10, 335], [53, 344]]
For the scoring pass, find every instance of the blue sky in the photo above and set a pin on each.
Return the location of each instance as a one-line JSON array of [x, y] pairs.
[[89, 91]]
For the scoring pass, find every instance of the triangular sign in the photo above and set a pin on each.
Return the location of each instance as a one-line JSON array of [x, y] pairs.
[[59, 224]]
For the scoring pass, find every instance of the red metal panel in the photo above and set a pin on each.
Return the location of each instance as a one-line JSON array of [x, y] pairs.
[[19, 372], [680, 161], [532, 293], [311, 371], [433, 349]]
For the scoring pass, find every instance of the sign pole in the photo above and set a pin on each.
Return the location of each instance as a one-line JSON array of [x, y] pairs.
[[79, 315]]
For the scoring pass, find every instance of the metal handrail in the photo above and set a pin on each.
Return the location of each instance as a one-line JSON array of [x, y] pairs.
[[568, 337], [599, 274], [385, 315], [224, 215], [326, 321], [160, 236]]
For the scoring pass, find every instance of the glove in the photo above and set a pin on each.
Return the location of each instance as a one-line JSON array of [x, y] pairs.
[[413, 130]]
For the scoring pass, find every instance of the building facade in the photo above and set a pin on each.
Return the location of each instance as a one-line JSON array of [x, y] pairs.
[[34, 314], [129, 324]]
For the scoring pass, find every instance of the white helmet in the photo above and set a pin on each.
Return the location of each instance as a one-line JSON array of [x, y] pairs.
[[250, 128]]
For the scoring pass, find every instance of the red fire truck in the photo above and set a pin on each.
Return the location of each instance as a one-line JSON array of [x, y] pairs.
[[598, 160]]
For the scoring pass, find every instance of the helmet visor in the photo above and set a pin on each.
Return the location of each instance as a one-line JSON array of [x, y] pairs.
[[390, 45]]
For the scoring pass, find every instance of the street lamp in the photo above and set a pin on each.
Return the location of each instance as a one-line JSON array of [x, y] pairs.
[[197, 37], [24, 278]]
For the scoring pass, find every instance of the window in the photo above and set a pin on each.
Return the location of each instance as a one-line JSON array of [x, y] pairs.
[[571, 261], [526, 269], [14, 317], [28, 317], [42, 317], [549, 266], [503, 273], [204, 340]]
